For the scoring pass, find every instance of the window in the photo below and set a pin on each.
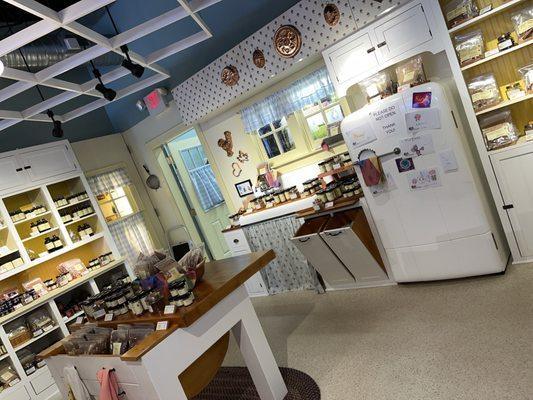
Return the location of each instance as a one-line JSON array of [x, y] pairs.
[[276, 138], [202, 177], [117, 203], [322, 117]]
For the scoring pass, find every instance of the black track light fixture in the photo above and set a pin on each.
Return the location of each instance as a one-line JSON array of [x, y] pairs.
[[57, 131], [109, 94], [135, 69]]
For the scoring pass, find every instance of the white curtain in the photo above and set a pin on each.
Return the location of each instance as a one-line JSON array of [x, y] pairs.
[[106, 182], [131, 237], [304, 92]]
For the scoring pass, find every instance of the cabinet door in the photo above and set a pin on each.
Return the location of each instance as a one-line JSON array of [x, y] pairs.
[[47, 162], [402, 33], [516, 183], [11, 173], [352, 59], [255, 286]]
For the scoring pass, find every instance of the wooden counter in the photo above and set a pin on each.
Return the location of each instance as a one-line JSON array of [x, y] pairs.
[[341, 204], [177, 363]]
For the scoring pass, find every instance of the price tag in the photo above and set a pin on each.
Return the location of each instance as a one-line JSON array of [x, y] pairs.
[[38, 332], [79, 320], [329, 204], [170, 309], [99, 314], [47, 328], [108, 317], [161, 326], [336, 166]]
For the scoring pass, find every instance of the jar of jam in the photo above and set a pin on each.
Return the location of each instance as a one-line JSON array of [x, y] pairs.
[[282, 196], [136, 306], [322, 196], [178, 288], [322, 166]]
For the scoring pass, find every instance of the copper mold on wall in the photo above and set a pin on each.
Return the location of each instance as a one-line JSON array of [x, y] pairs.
[[332, 14], [259, 58], [230, 75], [288, 41]]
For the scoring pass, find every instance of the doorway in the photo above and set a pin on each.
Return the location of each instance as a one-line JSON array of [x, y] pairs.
[[193, 180]]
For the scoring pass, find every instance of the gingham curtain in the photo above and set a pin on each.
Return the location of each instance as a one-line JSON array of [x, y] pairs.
[[107, 181], [206, 187], [131, 237], [304, 92]]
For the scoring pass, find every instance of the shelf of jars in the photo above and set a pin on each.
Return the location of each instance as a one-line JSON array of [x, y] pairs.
[[493, 47]]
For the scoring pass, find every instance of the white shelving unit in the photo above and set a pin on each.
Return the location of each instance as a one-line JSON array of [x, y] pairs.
[[63, 177]]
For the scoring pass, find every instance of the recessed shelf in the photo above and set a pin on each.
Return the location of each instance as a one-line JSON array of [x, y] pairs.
[[4, 356], [40, 234], [497, 55], [488, 14], [73, 317], [34, 339], [80, 219], [50, 256], [506, 103], [9, 253], [32, 218], [73, 204]]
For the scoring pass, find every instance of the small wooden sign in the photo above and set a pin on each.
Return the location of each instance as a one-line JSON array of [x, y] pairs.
[[161, 326]]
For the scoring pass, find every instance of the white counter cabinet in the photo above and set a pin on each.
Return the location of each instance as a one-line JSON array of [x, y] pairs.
[[238, 245], [513, 168]]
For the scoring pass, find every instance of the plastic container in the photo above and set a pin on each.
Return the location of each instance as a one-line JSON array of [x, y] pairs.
[[498, 130], [470, 47], [484, 92]]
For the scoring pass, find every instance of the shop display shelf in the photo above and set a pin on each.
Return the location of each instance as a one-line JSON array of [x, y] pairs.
[[336, 171], [32, 218], [58, 292], [34, 339], [73, 317], [2, 227], [5, 394], [506, 103], [80, 219], [4, 356], [72, 204], [488, 14], [497, 55], [50, 256], [54, 229], [8, 254]]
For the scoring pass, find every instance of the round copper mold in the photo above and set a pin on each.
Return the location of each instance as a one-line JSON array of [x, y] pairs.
[[259, 58], [288, 41], [332, 14], [230, 75]]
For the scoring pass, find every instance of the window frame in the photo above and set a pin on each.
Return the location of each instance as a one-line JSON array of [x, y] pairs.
[[129, 195], [274, 131], [315, 143]]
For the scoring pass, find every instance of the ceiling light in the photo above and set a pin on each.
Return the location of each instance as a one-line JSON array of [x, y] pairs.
[[135, 69], [109, 94], [57, 131]]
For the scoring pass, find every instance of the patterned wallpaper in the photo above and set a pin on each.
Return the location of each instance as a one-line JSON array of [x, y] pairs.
[[204, 92]]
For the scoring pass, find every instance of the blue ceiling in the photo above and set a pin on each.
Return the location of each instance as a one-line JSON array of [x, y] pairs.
[[230, 21]]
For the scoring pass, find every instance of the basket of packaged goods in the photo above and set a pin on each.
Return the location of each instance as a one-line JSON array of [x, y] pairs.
[[19, 334], [498, 130]]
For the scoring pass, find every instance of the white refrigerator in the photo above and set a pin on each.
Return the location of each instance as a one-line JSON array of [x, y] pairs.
[[428, 211]]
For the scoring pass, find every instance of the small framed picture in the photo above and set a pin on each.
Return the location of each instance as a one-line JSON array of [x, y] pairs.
[[244, 188]]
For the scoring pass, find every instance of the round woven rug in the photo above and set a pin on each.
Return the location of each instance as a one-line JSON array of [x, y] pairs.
[[235, 383]]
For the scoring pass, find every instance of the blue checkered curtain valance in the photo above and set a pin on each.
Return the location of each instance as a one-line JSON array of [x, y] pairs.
[[304, 92], [106, 182]]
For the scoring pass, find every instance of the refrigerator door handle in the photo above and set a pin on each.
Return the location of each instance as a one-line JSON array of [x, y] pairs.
[[508, 206]]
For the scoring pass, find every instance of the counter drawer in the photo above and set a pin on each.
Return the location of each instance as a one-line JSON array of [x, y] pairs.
[[42, 381], [236, 241], [19, 394]]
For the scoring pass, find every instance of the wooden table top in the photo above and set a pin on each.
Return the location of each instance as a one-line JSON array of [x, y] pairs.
[[220, 279]]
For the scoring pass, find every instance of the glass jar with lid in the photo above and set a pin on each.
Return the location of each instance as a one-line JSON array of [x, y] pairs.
[[322, 166], [282, 196], [330, 194], [321, 195]]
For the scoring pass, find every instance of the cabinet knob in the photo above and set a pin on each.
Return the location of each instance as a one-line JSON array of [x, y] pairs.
[[508, 206], [235, 241], [381, 44], [334, 234], [304, 240], [370, 50], [27, 167], [18, 169]]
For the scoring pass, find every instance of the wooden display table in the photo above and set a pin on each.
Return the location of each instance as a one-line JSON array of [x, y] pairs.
[[193, 346]]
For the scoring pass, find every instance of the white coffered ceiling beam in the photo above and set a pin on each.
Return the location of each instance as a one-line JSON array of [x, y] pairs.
[[6, 123], [35, 8], [185, 4], [48, 103], [149, 27], [26, 35], [14, 89], [44, 118], [108, 77], [199, 5], [177, 47], [81, 9], [6, 114], [78, 112]]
